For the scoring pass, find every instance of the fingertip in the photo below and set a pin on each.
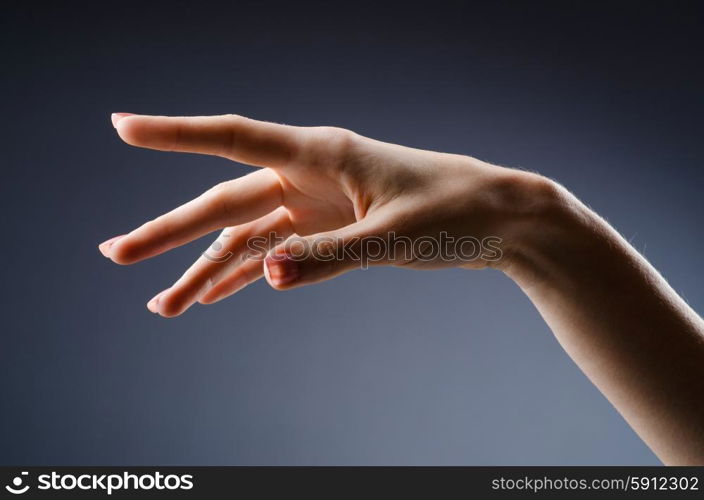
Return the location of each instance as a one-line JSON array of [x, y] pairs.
[[132, 249], [166, 311], [159, 305], [115, 118], [152, 307], [104, 250], [135, 130], [105, 247], [170, 305], [171, 308], [120, 254]]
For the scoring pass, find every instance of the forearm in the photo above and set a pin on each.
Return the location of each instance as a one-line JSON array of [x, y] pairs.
[[618, 319]]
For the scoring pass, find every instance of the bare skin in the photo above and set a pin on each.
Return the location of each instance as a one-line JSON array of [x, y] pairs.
[[618, 319]]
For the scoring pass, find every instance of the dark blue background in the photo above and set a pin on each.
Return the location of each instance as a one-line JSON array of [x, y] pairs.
[[377, 367]]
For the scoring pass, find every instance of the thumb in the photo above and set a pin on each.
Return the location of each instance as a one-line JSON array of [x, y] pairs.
[[306, 260]]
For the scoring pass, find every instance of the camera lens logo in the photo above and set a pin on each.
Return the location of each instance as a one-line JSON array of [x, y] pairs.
[[16, 487]]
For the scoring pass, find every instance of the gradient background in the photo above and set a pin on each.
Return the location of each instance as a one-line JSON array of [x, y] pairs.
[[377, 367]]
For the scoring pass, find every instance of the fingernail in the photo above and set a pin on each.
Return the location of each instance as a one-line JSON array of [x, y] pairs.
[[116, 117], [153, 304], [281, 269], [104, 247]]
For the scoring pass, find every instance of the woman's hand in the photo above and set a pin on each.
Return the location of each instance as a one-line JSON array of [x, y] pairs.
[[618, 319], [357, 201]]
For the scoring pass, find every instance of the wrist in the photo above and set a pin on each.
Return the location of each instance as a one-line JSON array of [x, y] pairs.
[[546, 225]]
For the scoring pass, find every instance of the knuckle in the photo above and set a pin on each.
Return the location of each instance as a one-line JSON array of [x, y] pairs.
[[338, 139], [234, 118], [335, 140], [327, 146], [218, 190]]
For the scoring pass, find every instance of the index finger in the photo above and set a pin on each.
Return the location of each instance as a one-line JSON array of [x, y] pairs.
[[234, 137]]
